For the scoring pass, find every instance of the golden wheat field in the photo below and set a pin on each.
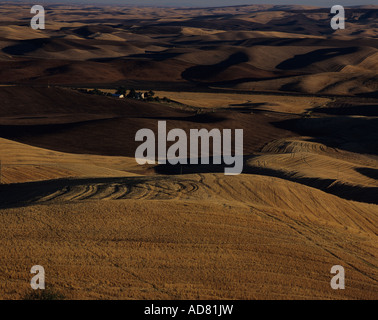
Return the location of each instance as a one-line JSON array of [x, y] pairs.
[[187, 244], [104, 230], [74, 200]]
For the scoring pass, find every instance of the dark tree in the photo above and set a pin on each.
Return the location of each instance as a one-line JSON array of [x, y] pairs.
[[121, 90], [132, 93]]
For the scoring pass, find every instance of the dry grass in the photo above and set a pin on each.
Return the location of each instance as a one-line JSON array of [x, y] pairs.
[[23, 163], [193, 237], [287, 104], [307, 159]]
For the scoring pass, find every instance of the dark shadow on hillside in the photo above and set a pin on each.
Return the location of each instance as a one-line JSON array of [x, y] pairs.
[[18, 131], [345, 191], [234, 82], [355, 134], [360, 110], [48, 44], [368, 95], [249, 107], [24, 194], [198, 118], [304, 60], [368, 172], [161, 56], [207, 71], [86, 31]]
